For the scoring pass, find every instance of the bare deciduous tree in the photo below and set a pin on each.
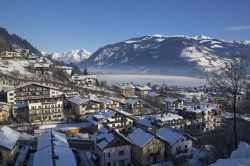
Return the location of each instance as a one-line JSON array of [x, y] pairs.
[[229, 82]]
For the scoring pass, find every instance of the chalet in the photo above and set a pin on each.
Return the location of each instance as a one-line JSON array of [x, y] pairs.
[[112, 118], [175, 143], [134, 106], [53, 149], [82, 106], [4, 112], [147, 149], [8, 148], [67, 69], [107, 102], [142, 91], [171, 103], [42, 68], [126, 90], [10, 54], [99, 118], [154, 98], [111, 148]]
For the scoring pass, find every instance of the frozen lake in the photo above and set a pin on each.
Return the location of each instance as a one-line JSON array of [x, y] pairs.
[[153, 79]]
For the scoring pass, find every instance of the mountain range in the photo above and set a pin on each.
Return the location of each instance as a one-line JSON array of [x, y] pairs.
[[73, 56], [152, 54], [158, 54]]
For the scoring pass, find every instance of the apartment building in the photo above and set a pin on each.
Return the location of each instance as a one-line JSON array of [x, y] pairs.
[[45, 109], [31, 90], [201, 118]]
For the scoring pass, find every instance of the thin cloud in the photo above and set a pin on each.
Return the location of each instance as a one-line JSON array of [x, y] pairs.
[[237, 28]]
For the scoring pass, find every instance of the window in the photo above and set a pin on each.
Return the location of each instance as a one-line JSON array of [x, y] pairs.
[[108, 155], [185, 146], [121, 153], [109, 164]]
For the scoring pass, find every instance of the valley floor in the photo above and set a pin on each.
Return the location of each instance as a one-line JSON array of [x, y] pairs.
[[153, 79]]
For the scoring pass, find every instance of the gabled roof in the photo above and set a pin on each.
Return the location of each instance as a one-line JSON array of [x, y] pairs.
[[78, 100], [53, 144], [103, 137], [139, 137], [8, 137], [169, 135], [143, 88], [153, 94], [100, 116], [30, 83], [133, 101], [170, 99]]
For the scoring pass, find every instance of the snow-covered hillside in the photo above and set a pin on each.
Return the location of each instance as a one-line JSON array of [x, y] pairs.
[[172, 55], [74, 56], [240, 157]]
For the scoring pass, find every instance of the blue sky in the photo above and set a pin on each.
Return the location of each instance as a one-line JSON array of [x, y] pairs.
[[62, 25]]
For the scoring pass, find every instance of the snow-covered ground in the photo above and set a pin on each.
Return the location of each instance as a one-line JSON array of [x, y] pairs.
[[153, 79], [239, 157], [14, 65]]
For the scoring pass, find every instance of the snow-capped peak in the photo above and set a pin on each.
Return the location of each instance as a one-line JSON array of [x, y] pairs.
[[74, 56], [202, 37], [158, 35]]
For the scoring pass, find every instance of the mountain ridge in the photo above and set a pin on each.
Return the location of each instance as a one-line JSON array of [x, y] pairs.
[[160, 54]]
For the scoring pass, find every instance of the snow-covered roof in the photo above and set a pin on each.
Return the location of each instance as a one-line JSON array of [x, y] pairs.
[[153, 94], [100, 116], [147, 121], [168, 117], [125, 86], [20, 105], [133, 101], [139, 137], [104, 100], [200, 108], [143, 88], [8, 137], [30, 83], [170, 99], [78, 100], [53, 147], [169, 135], [103, 137]]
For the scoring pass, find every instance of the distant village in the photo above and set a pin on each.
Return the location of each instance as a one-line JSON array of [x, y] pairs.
[[85, 121]]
